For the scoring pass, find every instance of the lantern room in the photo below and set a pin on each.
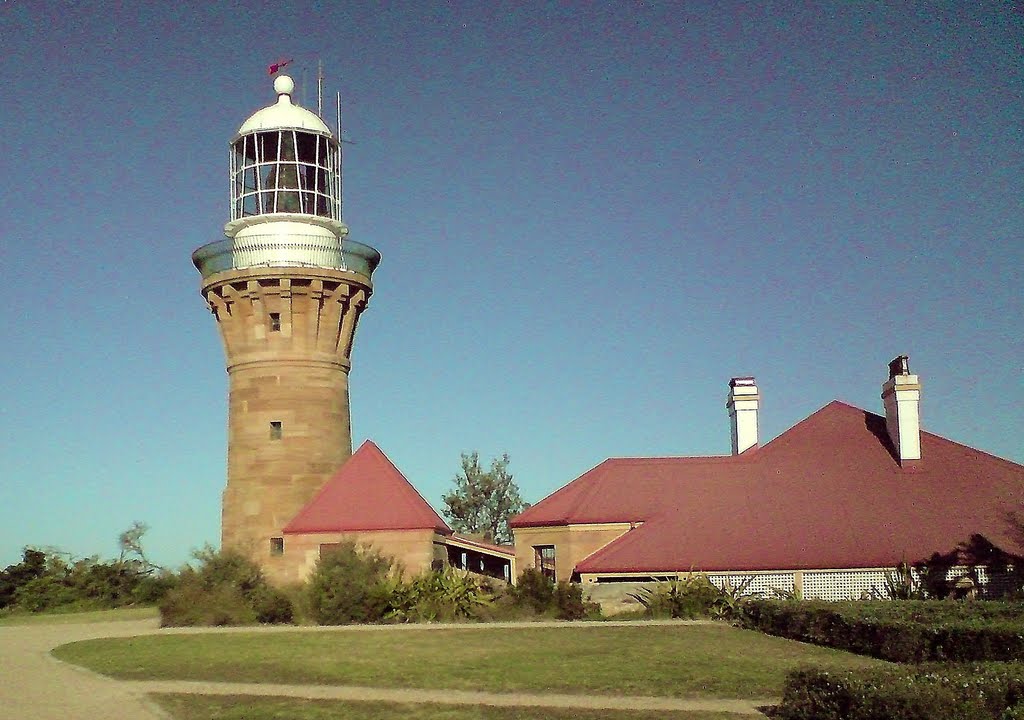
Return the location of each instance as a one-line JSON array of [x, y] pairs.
[[284, 159], [286, 195]]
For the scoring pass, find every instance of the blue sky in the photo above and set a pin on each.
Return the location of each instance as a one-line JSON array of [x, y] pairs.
[[592, 215]]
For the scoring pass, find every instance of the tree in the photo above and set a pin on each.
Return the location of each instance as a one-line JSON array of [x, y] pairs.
[[483, 501], [32, 566]]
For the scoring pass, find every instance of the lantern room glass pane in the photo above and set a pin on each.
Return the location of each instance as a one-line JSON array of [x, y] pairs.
[[287, 171]]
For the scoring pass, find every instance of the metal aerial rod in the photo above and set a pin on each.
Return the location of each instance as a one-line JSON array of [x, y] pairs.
[[341, 181], [320, 89]]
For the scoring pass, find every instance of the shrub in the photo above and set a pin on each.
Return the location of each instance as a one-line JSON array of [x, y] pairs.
[[979, 692], [447, 594], [32, 566], [352, 585], [44, 593], [152, 588], [569, 603], [731, 601], [535, 595], [684, 598], [193, 604], [534, 589], [900, 632], [226, 589]]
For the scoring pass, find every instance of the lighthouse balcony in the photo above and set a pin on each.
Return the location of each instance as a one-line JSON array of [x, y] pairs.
[[290, 251]]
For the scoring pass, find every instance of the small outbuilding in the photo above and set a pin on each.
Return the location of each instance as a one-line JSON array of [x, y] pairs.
[[369, 501]]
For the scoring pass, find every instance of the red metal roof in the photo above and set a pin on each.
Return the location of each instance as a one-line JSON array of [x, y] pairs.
[[367, 493], [827, 493]]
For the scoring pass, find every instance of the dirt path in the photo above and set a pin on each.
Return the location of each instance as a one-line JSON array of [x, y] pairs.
[[35, 686], [452, 697]]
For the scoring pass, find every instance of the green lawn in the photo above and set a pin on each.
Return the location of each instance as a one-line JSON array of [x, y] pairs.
[[201, 707], [673, 660], [89, 616]]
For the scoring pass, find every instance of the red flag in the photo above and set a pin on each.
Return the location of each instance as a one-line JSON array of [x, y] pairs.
[[277, 66]]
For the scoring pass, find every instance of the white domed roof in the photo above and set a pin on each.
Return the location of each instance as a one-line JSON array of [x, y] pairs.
[[283, 114]]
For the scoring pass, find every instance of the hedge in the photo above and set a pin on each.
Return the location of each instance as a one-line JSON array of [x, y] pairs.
[[925, 692], [937, 631]]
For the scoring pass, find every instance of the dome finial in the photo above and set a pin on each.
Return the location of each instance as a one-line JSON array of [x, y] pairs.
[[284, 86]]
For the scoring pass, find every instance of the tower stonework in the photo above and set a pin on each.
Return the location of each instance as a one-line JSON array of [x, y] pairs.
[[286, 287]]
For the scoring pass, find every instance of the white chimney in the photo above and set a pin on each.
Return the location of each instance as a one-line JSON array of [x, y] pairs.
[[742, 405], [901, 396]]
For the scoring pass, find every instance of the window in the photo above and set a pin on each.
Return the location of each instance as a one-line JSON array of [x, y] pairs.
[[544, 560], [277, 546], [276, 429], [275, 322], [286, 171]]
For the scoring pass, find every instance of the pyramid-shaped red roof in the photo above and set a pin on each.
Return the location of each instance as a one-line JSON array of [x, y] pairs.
[[827, 493], [367, 493]]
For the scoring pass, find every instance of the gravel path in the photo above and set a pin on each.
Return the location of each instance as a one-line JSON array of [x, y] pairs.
[[35, 686]]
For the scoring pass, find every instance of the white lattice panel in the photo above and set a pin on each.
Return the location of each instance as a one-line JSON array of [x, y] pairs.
[[841, 584], [853, 584], [762, 584]]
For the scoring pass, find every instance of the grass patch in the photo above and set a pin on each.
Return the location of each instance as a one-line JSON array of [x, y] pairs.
[[88, 616], [672, 660], [200, 707]]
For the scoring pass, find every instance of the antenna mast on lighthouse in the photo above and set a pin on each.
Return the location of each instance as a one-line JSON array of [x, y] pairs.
[[341, 174], [320, 89]]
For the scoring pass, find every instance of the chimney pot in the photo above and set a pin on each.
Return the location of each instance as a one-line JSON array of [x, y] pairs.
[[899, 365]]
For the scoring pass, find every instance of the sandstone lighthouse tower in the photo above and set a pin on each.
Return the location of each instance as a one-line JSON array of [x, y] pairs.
[[286, 286]]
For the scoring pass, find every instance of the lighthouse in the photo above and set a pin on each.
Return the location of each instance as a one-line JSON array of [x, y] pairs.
[[286, 286]]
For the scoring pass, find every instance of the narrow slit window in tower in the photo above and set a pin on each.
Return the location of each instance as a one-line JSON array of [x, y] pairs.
[[275, 322], [277, 546], [276, 429]]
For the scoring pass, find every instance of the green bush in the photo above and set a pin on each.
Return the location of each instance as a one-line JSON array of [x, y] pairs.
[[439, 595], [45, 593], [923, 631], [53, 580], [352, 584], [569, 603], [926, 692], [151, 589], [193, 604], [685, 598], [226, 589], [534, 594], [535, 590], [33, 565]]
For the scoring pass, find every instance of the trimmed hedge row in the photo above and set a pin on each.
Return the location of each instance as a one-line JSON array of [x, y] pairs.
[[903, 632], [933, 611], [950, 692]]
